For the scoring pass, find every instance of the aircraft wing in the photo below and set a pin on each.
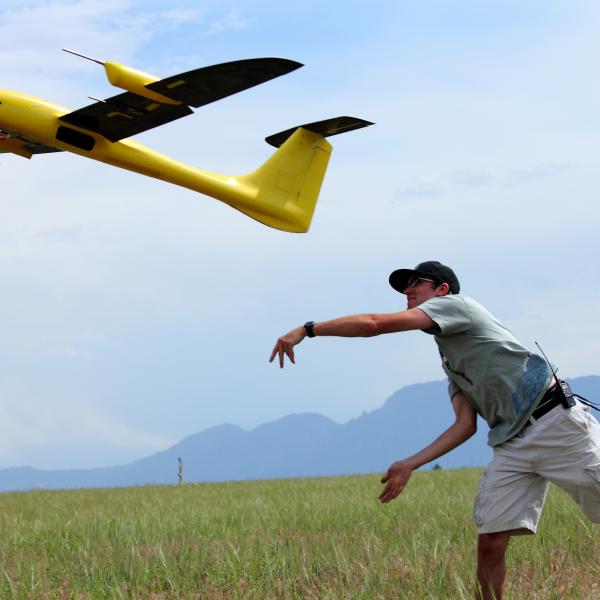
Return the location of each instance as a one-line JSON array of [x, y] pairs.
[[124, 115], [203, 86], [128, 114], [22, 146]]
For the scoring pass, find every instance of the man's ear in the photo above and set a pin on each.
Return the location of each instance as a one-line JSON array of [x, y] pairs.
[[442, 290]]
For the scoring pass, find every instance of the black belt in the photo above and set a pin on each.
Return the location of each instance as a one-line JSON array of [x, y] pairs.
[[551, 399]]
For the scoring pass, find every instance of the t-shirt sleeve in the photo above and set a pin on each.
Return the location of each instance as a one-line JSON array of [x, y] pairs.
[[452, 388], [450, 313]]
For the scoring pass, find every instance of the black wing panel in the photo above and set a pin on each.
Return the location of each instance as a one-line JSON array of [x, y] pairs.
[[124, 115], [203, 86], [325, 128]]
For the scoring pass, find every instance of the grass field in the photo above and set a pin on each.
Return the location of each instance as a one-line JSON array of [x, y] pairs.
[[298, 538]]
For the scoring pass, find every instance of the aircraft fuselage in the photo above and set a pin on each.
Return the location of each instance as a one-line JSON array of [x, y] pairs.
[[37, 120]]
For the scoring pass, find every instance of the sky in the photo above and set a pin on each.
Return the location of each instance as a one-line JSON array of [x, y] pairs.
[[134, 313]]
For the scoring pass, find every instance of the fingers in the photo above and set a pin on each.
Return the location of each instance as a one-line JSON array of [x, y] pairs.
[[281, 349], [392, 490], [277, 351], [387, 494], [395, 480]]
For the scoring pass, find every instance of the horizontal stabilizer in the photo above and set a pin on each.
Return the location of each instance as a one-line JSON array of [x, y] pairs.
[[325, 128]]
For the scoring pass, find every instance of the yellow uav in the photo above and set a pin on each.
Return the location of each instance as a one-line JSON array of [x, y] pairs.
[[282, 193]]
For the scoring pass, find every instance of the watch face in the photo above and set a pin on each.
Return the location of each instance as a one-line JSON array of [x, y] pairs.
[[309, 328]]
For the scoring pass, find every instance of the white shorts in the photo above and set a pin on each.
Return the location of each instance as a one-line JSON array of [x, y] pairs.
[[562, 447]]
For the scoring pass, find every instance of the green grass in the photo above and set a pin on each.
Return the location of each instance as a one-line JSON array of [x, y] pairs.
[[300, 538]]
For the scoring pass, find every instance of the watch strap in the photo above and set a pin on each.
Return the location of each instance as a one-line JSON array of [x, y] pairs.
[[309, 327]]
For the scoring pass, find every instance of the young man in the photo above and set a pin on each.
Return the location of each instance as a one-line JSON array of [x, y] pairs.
[[538, 431]]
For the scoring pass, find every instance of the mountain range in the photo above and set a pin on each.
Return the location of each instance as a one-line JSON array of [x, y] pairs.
[[298, 445]]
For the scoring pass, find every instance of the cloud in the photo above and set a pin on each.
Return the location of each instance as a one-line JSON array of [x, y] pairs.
[[124, 296], [231, 21], [442, 184], [100, 29], [507, 178], [66, 431], [183, 16], [33, 33]]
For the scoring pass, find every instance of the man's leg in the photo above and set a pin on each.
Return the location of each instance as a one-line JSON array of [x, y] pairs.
[[509, 502], [576, 467], [491, 570]]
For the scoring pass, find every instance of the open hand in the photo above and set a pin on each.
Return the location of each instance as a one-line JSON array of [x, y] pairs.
[[396, 478]]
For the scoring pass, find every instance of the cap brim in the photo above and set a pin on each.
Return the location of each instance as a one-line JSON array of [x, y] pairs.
[[399, 279]]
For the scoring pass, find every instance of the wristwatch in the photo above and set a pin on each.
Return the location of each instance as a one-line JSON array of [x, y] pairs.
[[309, 327]]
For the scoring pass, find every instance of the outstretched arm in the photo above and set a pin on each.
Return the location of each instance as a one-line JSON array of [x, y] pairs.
[[367, 325], [464, 426]]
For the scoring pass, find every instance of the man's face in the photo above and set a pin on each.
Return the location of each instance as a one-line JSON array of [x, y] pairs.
[[419, 289]]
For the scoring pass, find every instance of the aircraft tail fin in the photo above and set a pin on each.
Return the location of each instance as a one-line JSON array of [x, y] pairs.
[[286, 187]]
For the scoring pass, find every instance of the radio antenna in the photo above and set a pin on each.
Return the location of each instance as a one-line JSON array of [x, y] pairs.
[[83, 56]]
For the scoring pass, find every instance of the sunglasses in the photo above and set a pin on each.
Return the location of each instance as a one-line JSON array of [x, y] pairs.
[[416, 280]]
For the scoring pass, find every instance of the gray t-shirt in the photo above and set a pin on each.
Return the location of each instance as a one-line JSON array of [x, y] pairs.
[[501, 379]]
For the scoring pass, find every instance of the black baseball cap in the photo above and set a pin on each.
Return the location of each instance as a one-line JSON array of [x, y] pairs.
[[432, 269]]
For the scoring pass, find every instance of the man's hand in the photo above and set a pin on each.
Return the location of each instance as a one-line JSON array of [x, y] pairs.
[[285, 345], [396, 477], [365, 325]]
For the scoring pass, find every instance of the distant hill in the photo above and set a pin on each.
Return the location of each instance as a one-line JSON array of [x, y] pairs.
[[297, 445]]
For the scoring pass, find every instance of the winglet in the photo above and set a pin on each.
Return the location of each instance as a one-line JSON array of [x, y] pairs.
[[325, 128]]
